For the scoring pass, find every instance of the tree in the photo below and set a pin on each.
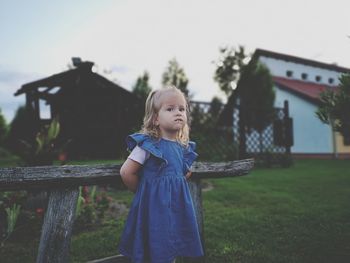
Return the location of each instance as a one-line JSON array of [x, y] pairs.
[[3, 128], [230, 66], [254, 90], [213, 112], [257, 96], [141, 87], [175, 75], [202, 119], [257, 93], [335, 107], [22, 127]]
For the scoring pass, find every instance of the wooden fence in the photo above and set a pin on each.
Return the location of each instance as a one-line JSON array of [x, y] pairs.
[[62, 183]]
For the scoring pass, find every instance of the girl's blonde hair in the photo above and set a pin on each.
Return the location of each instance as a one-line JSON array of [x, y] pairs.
[[152, 107]]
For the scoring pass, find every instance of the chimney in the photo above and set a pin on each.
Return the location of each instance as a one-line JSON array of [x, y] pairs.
[[78, 63]]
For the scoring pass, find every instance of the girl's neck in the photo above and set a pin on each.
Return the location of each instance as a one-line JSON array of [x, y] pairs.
[[169, 138]]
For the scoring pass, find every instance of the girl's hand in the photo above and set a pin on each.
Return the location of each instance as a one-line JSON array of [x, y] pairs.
[[188, 175]]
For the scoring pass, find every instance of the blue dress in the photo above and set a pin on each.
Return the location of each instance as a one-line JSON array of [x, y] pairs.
[[161, 224]]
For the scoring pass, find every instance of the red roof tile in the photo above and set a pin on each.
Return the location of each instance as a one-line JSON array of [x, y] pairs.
[[307, 90]]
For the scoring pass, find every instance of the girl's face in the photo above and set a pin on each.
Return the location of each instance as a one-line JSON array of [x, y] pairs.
[[171, 117]]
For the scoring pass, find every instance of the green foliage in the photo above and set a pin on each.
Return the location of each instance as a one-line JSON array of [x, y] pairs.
[[7, 159], [335, 107], [254, 87], [22, 127], [12, 209], [257, 95], [86, 218], [214, 112], [175, 75], [3, 128], [12, 215], [201, 119], [91, 207], [92, 194], [80, 202], [229, 68], [197, 116], [45, 138], [142, 87], [44, 150], [268, 158], [214, 143]]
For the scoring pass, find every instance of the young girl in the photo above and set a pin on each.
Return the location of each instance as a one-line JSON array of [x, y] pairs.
[[161, 224]]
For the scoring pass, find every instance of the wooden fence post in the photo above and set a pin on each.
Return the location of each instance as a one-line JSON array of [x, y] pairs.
[[196, 193], [57, 227]]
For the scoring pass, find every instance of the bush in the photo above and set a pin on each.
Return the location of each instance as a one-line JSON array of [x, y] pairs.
[[215, 145], [10, 205], [91, 208]]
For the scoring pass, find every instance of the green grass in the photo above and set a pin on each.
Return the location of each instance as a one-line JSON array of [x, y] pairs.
[[7, 159], [301, 214]]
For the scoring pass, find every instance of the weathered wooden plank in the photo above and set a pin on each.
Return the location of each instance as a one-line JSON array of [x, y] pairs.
[[112, 259], [17, 178], [57, 227], [222, 169]]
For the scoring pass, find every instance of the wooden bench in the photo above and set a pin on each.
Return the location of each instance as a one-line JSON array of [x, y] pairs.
[[62, 183]]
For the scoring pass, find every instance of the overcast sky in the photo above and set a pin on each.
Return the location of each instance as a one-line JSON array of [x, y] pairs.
[[38, 38]]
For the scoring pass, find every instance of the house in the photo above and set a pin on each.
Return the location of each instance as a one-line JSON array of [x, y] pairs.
[[95, 113], [300, 81]]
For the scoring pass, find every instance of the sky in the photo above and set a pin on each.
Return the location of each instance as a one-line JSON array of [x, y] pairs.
[[125, 38]]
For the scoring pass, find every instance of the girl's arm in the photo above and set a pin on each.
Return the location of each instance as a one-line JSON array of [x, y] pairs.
[[128, 173]]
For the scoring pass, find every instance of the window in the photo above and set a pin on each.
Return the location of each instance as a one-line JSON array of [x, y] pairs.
[[318, 78], [289, 73], [45, 110], [304, 76], [330, 80]]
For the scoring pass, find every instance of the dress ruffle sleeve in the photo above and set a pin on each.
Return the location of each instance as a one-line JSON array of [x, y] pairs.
[[146, 143], [189, 156]]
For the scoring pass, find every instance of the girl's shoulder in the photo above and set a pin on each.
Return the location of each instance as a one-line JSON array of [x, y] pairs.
[[145, 142], [137, 137]]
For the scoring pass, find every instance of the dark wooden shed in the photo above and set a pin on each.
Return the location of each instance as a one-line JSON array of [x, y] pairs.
[[95, 113]]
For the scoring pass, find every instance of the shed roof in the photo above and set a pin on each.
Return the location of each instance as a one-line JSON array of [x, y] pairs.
[[68, 76]]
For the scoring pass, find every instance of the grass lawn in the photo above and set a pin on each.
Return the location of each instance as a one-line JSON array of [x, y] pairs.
[[300, 214]]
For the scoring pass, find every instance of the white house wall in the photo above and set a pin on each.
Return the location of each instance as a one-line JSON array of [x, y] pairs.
[[279, 68], [310, 134]]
